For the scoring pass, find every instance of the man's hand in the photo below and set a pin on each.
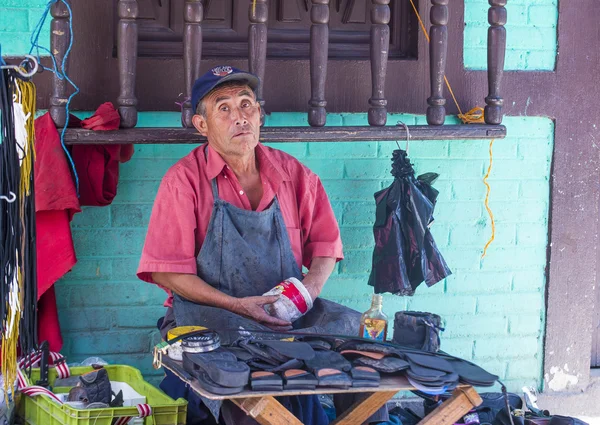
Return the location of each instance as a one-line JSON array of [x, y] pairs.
[[253, 308]]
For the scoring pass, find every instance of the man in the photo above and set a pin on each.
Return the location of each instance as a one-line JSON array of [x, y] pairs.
[[234, 218]]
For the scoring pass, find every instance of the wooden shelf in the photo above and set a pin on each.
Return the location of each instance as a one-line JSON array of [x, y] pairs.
[[150, 135]]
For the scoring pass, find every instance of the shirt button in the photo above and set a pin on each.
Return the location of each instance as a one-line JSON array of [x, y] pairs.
[[241, 192], [225, 176]]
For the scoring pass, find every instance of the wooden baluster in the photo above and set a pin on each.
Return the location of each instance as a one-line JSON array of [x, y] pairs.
[[319, 49], [380, 45], [496, 51], [59, 40], [257, 46], [127, 39], [438, 51], [192, 54]]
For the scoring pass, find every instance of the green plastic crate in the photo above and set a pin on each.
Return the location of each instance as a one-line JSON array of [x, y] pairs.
[[40, 410]]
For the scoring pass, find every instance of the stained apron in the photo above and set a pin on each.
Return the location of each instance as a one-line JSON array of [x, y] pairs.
[[246, 253]]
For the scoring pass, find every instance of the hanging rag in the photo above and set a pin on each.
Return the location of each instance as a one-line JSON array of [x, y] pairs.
[[55, 204], [98, 165], [405, 253]]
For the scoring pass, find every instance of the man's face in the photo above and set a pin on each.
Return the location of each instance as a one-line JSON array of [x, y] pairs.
[[232, 122]]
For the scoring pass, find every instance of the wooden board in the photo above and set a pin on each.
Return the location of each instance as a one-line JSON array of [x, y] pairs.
[[141, 135]]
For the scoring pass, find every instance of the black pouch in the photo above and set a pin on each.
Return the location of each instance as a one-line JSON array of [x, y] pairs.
[[97, 386], [418, 330]]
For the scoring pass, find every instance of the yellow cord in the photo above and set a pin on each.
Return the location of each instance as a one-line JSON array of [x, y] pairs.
[[487, 198], [474, 116], [254, 7]]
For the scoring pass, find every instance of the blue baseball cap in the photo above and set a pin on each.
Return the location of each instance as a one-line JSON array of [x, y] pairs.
[[219, 75]]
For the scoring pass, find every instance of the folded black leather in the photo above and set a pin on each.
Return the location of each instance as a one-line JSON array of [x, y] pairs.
[[97, 386], [297, 379], [364, 373], [209, 385], [425, 373], [221, 366], [472, 374], [265, 381], [260, 365], [242, 354], [430, 361], [328, 359], [319, 344], [258, 351], [329, 377], [374, 347], [290, 364], [364, 383], [386, 365], [352, 354], [289, 349]]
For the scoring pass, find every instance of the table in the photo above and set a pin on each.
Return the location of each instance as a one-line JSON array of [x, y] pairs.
[[266, 410]]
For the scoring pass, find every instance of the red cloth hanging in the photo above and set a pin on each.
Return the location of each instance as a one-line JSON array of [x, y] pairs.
[[98, 165], [55, 204]]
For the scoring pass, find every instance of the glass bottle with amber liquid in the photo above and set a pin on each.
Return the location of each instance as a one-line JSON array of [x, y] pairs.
[[374, 322]]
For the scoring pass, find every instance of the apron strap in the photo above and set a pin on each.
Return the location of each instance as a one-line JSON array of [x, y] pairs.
[[215, 191]]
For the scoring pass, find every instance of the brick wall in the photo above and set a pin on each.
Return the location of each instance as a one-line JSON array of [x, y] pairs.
[[18, 18], [493, 307], [531, 34]]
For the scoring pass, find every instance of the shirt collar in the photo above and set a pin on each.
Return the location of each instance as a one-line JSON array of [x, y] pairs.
[[268, 166]]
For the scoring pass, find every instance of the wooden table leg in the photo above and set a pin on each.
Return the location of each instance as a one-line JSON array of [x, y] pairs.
[[266, 410], [363, 409], [450, 411]]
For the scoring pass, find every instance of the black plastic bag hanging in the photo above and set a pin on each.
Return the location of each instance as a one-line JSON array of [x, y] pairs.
[[405, 253]]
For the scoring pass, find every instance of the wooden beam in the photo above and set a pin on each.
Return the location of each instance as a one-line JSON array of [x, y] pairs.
[[266, 410], [461, 402], [148, 135], [360, 411]]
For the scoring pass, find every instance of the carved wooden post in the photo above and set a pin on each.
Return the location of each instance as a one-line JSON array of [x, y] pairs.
[[127, 54], [380, 45], [59, 40], [192, 53], [257, 46], [319, 48], [438, 50], [496, 51]]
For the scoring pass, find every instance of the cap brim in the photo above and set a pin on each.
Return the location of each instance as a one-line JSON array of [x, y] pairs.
[[251, 79]]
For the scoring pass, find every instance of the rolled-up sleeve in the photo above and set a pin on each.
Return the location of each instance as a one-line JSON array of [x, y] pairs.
[[170, 242], [320, 230]]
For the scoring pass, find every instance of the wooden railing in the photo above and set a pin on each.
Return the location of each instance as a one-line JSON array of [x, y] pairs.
[[319, 37]]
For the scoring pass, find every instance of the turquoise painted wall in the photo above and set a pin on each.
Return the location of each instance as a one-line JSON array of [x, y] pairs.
[[494, 308], [531, 34]]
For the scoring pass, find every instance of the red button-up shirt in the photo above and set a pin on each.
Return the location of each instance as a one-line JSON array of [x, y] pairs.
[[184, 203]]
